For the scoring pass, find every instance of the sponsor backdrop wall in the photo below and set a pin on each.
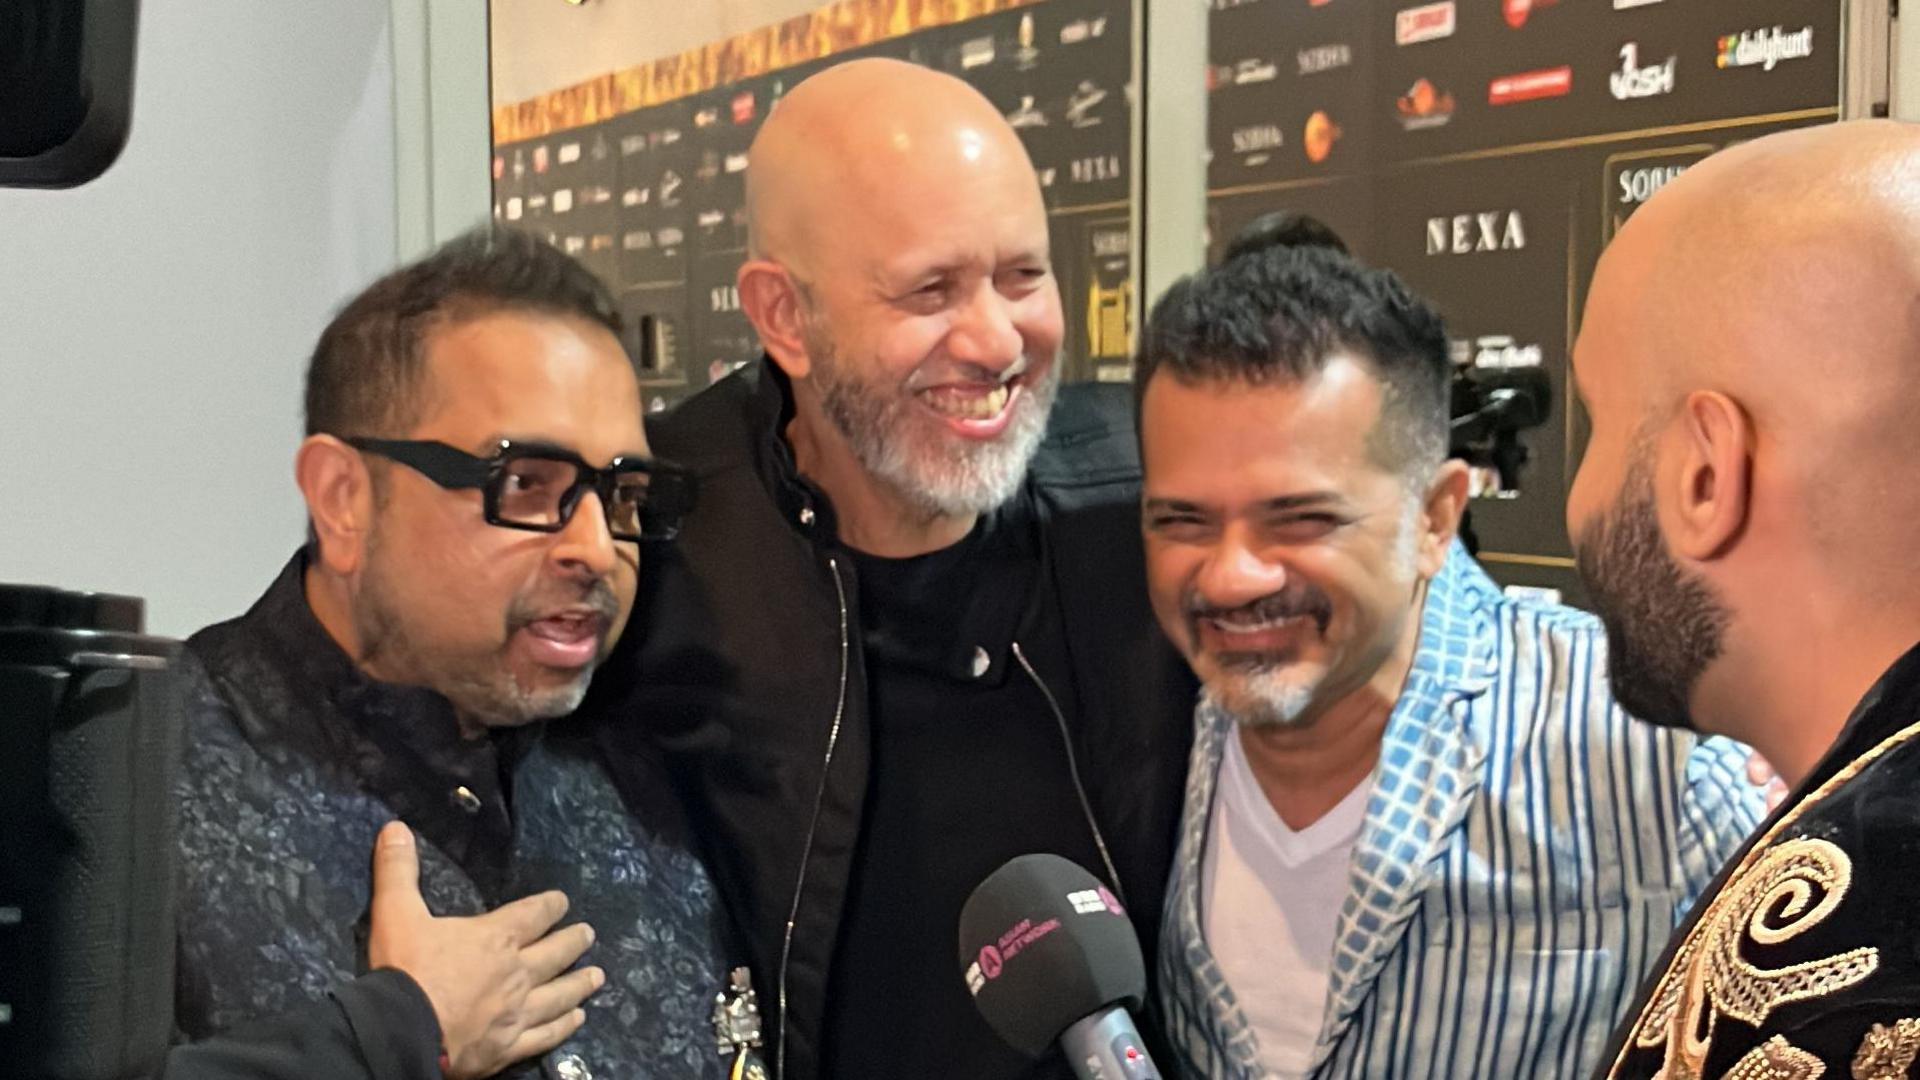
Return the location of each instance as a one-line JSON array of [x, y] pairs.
[[639, 172], [1487, 150]]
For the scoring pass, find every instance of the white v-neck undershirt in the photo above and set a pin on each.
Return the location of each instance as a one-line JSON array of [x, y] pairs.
[[1270, 903]]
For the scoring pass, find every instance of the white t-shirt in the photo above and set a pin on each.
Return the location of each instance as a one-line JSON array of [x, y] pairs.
[[1270, 903]]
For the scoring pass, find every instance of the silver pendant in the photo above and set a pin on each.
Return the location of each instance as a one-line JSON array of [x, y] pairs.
[[736, 1026]]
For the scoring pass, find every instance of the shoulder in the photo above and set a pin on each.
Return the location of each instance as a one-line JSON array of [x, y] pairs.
[[1561, 652], [715, 428], [1090, 439]]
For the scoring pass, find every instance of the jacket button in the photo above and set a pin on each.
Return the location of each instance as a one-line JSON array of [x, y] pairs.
[[981, 661], [465, 799], [572, 1068], [806, 515]]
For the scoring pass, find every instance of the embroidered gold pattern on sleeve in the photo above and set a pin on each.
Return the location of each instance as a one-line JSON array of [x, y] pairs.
[[1790, 889], [1887, 1053], [1776, 1059]]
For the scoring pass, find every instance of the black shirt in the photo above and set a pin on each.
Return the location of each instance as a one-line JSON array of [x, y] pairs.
[[954, 714]]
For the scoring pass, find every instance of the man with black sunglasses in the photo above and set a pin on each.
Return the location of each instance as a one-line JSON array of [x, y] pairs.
[[479, 490]]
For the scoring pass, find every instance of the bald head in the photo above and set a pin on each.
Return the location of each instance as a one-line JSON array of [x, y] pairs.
[[1750, 358], [866, 143], [1785, 272], [900, 277]]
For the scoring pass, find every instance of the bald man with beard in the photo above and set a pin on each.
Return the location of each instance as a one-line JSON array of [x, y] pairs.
[[1744, 518], [902, 639]]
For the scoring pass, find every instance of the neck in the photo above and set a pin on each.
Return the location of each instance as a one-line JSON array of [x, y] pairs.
[[331, 602], [872, 516], [1794, 712], [332, 607], [1306, 770]]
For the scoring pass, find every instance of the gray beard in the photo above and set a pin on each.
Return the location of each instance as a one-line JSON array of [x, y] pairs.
[[481, 689], [1263, 702], [933, 475]]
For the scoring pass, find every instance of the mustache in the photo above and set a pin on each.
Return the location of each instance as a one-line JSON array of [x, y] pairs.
[[969, 374], [597, 597], [1295, 601]]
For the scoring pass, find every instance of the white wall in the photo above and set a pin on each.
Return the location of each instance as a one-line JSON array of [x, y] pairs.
[[1906, 66], [545, 45], [154, 323]]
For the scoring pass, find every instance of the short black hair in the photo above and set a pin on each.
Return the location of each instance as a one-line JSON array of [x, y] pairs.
[[1282, 228], [364, 376], [1276, 314]]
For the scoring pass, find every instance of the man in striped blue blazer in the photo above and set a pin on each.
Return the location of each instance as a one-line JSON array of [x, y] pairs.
[[1420, 838]]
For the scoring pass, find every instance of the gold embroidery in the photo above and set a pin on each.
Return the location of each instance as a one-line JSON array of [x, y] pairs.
[[1685, 973], [1792, 888], [1887, 1052], [1776, 1059]]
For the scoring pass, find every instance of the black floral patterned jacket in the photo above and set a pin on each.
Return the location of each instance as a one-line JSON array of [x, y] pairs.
[[294, 760]]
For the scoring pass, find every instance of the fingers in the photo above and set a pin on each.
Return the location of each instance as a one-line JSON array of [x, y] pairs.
[[1759, 770], [1776, 793], [528, 919], [555, 999], [556, 952], [538, 1040], [396, 873]]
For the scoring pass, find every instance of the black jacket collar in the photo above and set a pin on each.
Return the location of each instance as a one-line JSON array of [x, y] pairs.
[[294, 687]]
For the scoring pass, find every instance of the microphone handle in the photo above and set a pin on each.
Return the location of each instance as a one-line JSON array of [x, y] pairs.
[[1106, 1046]]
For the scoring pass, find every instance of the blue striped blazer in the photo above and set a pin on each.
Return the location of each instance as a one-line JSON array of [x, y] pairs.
[[1526, 852]]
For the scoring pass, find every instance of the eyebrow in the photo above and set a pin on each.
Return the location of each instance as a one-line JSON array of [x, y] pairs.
[[524, 442], [893, 279], [901, 276], [537, 443], [1302, 501]]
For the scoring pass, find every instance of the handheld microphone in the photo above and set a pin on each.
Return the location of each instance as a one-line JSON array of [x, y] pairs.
[[1049, 956]]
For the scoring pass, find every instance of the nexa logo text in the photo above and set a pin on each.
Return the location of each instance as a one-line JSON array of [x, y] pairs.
[[1465, 234], [1764, 48]]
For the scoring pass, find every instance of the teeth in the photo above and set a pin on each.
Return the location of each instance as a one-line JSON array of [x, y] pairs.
[[963, 405], [1241, 627]]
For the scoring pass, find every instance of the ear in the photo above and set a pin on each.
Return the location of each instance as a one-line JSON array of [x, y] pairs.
[[772, 302], [339, 493], [1709, 476], [1440, 513]]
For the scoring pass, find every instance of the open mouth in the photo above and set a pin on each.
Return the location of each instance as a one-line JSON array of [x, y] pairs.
[[973, 410], [1253, 631], [566, 639]]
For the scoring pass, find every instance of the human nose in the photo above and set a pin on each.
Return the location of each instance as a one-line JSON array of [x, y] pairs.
[[586, 541], [984, 333], [1235, 573]]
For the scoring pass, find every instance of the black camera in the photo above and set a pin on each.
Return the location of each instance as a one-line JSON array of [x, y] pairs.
[[1499, 390]]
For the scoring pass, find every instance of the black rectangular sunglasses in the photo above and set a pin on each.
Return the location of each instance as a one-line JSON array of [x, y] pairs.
[[537, 486]]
